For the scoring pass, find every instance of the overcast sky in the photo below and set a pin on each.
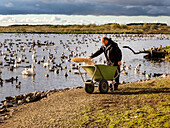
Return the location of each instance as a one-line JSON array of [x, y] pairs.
[[87, 7], [83, 11]]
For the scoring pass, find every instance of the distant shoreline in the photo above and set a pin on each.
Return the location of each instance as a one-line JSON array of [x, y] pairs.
[[88, 29]]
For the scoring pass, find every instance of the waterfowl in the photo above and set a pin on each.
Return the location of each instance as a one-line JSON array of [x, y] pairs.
[[75, 67], [29, 71], [46, 64], [18, 85], [15, 65], [156, 74], [46, 75], [148, 75], [143, 73], [129, 67], [9, 80], [125, 73], [56, 71], [16, 79], [66, 75]]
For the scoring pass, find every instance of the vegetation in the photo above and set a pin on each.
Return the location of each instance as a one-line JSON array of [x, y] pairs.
[[138, 105], [167, 57], [89, 29]]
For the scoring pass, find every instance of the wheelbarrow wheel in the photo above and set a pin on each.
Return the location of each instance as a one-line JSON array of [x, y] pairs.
[[89, 88], [103, 86]]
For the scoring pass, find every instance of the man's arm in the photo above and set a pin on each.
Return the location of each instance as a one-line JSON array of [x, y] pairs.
[[98, 52]]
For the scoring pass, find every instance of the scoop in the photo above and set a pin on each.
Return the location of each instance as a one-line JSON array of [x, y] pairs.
[[83, 60]]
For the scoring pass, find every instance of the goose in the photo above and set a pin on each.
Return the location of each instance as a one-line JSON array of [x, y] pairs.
[[18, 85], [29, 71], [156, 74], [10, 80], [16, 79]]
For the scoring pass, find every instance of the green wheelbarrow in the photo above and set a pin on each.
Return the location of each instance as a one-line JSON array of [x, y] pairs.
[[100, 75]]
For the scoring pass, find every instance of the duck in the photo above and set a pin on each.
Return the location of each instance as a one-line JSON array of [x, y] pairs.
[[29, 71], [46, 75], [129, 67], [18, 85], [75, 67], [125, 73], [46, 64], [143, 73], [148, 75], [66, 75], [56, 71]]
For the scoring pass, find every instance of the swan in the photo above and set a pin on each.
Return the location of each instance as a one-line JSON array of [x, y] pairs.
[[29, 71], [15, 65]]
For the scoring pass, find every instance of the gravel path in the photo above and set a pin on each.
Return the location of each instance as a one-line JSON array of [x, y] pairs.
[[60, 109], [53, 111]]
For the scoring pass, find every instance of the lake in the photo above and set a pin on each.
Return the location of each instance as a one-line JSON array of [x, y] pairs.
[[61, 45]]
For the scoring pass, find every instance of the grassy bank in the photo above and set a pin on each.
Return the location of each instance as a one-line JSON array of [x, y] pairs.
[[167, 57], [88, 29], [134, 105], [138, 105]]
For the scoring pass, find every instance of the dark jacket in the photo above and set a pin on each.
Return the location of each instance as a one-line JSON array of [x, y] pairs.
[[112, 53]]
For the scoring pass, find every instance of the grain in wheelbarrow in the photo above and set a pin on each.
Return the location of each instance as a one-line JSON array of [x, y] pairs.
[[83, 60]]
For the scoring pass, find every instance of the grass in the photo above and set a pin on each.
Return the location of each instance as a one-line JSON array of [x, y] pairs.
[[167, 48], [167, 57], [138, 105], [88, 29]]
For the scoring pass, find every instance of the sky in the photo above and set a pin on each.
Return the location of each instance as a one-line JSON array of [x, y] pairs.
[[83, 11]]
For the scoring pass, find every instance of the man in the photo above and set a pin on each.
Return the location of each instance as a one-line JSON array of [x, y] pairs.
[[113, 56]]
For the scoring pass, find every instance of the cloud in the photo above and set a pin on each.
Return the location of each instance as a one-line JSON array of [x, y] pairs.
[[88, 7], [9, 4], [6, 20]]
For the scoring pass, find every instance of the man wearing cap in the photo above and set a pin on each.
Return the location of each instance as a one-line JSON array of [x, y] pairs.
[[113, 56]]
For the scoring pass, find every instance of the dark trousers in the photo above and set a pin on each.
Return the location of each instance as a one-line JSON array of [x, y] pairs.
[[117, 79]]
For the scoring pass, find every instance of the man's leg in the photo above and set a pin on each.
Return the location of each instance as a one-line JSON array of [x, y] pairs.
[[117, 79]]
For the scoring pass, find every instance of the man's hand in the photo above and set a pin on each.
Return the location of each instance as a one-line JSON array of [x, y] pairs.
[[119, 63], [89, 58]]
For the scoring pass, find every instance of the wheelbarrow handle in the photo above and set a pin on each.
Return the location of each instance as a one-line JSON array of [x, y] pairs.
[[95, 69], [118, 73], [81, 74]]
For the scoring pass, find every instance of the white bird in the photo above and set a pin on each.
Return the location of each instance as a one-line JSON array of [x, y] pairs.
[[29, 71], [15, 65], [33, 57], [148, 75], [46, 64]]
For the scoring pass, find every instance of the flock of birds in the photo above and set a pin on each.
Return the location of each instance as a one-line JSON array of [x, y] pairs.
[[29, 54], [137, 70]]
